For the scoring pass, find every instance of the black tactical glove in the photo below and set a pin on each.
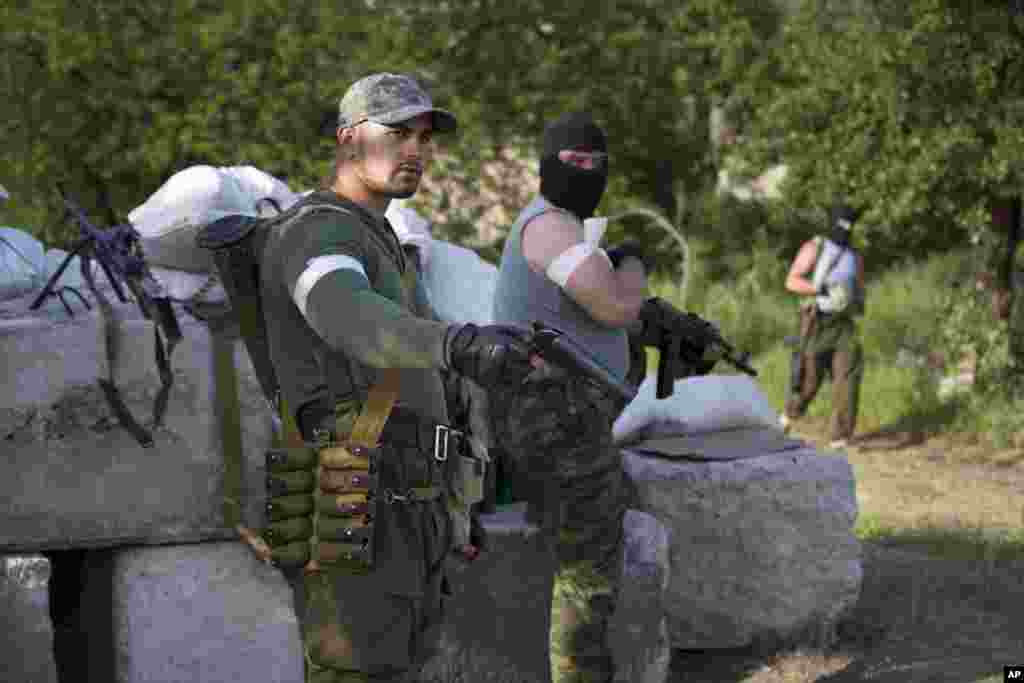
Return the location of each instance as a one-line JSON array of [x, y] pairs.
[[490, 355], [630, 249]]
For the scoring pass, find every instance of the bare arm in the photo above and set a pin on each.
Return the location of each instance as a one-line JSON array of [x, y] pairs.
[[612, 297], [797, 281]]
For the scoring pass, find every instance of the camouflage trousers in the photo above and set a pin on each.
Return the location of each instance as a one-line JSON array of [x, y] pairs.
[[381, 622], [557, 431], [355, 631]]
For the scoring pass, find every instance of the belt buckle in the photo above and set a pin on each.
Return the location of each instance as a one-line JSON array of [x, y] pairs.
[[391, 497], [442, 434]]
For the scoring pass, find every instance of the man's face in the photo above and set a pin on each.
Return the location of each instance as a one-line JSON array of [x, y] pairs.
[[391, 160]]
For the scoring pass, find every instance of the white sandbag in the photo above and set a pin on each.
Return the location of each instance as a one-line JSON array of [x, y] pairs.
[[22, 263], [698, 405], [183, 286], [170, 219], [411, 228], [460, 284]]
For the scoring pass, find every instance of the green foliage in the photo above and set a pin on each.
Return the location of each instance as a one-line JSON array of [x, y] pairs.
[[903, 311], [911, 109], [968, 543], [996, 399], [115, 97]]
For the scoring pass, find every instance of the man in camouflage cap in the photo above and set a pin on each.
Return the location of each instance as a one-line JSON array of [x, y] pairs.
[[362, 528]]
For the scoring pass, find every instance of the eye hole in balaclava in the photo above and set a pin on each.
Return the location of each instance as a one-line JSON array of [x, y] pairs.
[[572, 188]]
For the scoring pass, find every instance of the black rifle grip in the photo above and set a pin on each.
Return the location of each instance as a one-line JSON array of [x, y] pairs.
[[670, 357]]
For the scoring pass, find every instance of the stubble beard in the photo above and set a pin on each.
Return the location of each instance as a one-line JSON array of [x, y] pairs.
[[392, 189]]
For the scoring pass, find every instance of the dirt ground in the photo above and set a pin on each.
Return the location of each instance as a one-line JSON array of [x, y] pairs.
[[919, 618]]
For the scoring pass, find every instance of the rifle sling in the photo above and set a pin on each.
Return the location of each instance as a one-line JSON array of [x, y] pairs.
[[365, 432], [123, 415], [229, 421], [379, 402]]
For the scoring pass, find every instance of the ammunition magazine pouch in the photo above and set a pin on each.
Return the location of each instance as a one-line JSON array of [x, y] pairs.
[[322, 497]]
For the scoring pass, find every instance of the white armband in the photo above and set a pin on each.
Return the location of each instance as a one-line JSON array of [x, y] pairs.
[[318, 267], [566, 263]]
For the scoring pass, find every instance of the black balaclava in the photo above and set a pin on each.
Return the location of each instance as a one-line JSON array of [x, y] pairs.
[[841, 220], [573, 189]]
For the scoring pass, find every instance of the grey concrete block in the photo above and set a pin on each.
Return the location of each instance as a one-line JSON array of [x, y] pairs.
[[212, 612], [763, 550], [74, 477], [205, 612], [25, 647]]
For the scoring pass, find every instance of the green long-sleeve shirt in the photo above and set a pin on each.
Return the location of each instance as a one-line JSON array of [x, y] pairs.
[[340, 305]]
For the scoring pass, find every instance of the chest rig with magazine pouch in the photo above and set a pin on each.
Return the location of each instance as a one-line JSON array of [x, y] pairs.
[[321, 496]]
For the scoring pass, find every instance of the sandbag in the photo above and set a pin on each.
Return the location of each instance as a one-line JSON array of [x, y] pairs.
[[460, 284], [411, 228], [22, 263], [170, 219], [698, 405]]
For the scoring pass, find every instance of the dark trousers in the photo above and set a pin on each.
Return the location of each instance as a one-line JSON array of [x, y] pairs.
[[844, 362]]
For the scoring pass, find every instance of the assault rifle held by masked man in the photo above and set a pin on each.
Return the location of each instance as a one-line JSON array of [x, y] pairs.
[[687, 344]]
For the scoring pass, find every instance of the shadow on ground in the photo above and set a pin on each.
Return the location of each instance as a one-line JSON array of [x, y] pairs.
[[918, 619]]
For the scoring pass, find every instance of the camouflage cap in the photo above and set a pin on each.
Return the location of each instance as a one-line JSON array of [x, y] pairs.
[[388, 99]]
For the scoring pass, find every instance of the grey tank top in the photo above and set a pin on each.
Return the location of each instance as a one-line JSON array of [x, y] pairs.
[[522, 296]]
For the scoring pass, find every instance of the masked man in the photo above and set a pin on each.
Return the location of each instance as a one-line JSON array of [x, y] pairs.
[[558, 428], [362, 527], [830, 274]]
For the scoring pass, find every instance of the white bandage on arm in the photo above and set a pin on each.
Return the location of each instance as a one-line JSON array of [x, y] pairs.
[[318, 267], [566, 263]]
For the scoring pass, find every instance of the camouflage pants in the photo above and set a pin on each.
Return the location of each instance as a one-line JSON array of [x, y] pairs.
[[380, 623], [354, 631], [558, 431]]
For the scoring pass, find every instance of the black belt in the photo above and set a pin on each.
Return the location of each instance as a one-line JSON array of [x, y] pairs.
[[403, 428]]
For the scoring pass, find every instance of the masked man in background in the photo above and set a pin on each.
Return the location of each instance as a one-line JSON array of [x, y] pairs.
[[829, 273]]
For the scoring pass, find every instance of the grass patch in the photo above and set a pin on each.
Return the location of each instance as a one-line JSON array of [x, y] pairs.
[[964, 543]]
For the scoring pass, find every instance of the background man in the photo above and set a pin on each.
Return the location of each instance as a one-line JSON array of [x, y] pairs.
[[346, 323], [830, 273], [559, 428]]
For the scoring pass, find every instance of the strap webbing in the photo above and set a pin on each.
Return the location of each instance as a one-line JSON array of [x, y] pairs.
[[229, 419], [379, 402], [366, 432]]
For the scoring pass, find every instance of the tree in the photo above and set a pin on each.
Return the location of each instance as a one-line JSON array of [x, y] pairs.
[[912, 110], [113, 97], [647, 69]]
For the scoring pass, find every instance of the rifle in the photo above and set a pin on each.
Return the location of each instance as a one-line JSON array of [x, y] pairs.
[[682, 340], [119, 254], [557, 348]]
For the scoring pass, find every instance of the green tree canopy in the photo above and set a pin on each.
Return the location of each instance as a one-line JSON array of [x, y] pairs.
[[913, 110], [114, 97]]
